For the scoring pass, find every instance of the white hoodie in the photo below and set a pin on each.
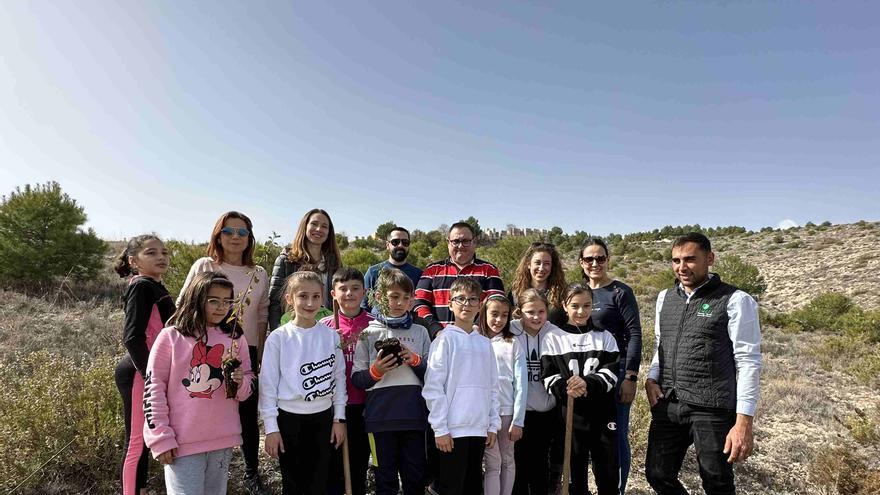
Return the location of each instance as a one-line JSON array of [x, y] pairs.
[[461, 385], [537, 397]]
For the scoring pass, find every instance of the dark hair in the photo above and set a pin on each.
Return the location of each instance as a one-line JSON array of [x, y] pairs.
[[345, 274], [466, 284], [593, 241], [297, 251], [134, 246], [215, 249], [189, 318], [522, 278], [575, 289], [392, 277], [398, 229], [695, 237], [461, 225], [483, 325]]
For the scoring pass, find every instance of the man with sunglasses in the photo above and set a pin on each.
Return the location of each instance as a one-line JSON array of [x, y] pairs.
[[398, 249], [432, 291]]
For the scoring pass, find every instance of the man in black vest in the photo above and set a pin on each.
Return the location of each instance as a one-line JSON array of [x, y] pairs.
[[704, 380]]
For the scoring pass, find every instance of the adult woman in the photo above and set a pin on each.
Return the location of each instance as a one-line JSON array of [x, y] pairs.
[[231, 251], [314, 249], [540, 268], [615, 309]]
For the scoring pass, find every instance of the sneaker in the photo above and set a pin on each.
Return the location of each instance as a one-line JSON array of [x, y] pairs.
[[253, 485]]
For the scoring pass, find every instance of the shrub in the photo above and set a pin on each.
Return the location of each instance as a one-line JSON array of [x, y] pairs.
[[856, 322], [736, 271], [506, 255], [822, 312], [41, 237], [778, 239], [360, 258], [183, 255]]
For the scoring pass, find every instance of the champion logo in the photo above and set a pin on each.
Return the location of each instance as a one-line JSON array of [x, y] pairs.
[[612, 426]]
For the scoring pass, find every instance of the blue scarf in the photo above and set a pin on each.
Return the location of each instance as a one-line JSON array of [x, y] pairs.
[[404, 321]]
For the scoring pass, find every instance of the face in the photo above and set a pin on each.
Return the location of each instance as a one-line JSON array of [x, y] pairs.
[[465, 305], [594, 262], [349, 295], [398, 301], [398, 246], [461, 245], [691, 264], [317, 228], [534, 315], [579, 308], [152, 260], [497, 314], [540, 267], [217, 305], [306, 299], [231, 241]]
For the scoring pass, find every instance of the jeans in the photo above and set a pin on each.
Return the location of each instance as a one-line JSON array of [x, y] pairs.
[[199, 474]]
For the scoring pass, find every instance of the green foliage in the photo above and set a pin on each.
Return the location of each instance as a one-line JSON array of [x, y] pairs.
[[506, 255], [360, 258], [183, 255], [778, 239], [822, 313], [383, 230], [736, 271], [860, 323], [670, 232], [439, 252], [362, 243], [342, 241], [41, 237], [473, 222]]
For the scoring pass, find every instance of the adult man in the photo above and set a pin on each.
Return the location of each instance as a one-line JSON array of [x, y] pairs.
[[432, 291], [703, 385], [398, 249]]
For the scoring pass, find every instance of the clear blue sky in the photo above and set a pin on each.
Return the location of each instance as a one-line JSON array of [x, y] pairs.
[[595, 116]]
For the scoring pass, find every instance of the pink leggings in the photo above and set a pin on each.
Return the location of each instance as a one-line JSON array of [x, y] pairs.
[[498, 462]]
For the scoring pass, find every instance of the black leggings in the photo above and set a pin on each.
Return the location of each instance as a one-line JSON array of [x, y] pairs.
[[133, 471], [305, 462], [532, 452], [250, 431], [460, 472], [600, 444]]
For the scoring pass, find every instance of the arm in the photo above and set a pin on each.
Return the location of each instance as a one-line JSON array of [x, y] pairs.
[[605, 378], [276, 291], [422, 366], [196, 268], [424, 305], [520, 385], [494, 417], [745, 335], [262, 313], [360, 371], [652, 386], [245, 388], [629, 311], [158, 434], [493, 283], [138, 308], [434, 390], [270, 377], [340, 394]]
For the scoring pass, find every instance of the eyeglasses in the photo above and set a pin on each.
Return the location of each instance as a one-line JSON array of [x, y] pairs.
[[600, 260], [466, 301], [241, 231], [460, 242], [219, 303], [398, 242]]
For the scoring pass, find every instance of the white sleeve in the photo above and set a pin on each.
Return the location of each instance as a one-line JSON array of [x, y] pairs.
[[654, 370], [340, 391], [494, 417], [434, 390], [270, 377], [745, 335]]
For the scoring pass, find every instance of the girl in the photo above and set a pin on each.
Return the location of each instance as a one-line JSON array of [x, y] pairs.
[[615, 309], [313, 249], [303, 396], [147, 306], [582, 363], [191, 424], [512, 379], [231, 251], [542, 424], [541, 268]]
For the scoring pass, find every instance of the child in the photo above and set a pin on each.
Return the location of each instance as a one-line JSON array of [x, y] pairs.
[[461, 390], [349, 321], [512, 379], [395, 412], [147, 306], [583, 363], [542, 421], [302, 397], [191, 425]]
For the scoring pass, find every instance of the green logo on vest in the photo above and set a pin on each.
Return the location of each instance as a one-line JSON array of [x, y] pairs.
[[705, 310]]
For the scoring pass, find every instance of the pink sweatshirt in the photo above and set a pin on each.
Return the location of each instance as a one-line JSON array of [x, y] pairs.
[[185, 400], [349, 334]]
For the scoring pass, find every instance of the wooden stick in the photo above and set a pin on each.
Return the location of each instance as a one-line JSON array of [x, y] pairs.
[[346, 467], [566, 463]]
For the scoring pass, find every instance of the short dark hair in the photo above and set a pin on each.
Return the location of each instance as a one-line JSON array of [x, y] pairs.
[[393, 277], [398, 229], [461, 225], [593, 241], [466, 284], [345, 274], [695, 237]]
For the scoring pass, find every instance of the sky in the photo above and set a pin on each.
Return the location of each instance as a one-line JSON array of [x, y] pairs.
[[594, 116]]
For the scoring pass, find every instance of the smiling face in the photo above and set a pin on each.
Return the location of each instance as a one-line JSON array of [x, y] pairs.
[[534, 315], [349, 294], [317, 229], [232, 243], [578, 308], [398, 301], [461, 246], [305, 299], [691, 264], [217, 304], [497, 314], [540, 267], [152, 260], [594, 263]]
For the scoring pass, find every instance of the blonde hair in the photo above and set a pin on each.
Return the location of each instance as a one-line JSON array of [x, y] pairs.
[[296, 280]]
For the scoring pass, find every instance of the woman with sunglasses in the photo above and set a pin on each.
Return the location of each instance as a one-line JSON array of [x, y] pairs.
[[615, 309], [231, 251]]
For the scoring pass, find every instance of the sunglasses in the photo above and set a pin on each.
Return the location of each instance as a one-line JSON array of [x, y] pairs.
[[598, 259], [460, 242], [241, 231], [398, 242]]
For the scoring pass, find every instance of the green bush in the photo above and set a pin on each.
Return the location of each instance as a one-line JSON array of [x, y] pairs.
[[41, 237], [822, 313], [506, 255], [736, 271], [183, 255], [857, 322], [778, 239], [360, 258]]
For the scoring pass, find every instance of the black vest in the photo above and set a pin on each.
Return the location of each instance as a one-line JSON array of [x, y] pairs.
[[696, 354]]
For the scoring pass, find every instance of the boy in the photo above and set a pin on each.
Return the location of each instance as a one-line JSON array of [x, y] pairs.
[[347, 292], [395, 411], [461, 390]]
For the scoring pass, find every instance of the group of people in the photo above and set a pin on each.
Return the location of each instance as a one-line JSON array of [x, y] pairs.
[[447, 382]]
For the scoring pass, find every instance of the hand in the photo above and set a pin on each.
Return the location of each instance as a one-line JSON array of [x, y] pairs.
[[274, 445], [337, 434], [444, 443], [490, 439], [576, 387], [383, 364], [627, 391], [238, 375], [405, 354], [167, 457], [515, 433], [740, 440], [653, 391]]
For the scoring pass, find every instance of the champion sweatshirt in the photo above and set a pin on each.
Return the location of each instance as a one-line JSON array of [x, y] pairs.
[[302, 373], [349, 331], [513, 378], [185, 402], [537, 397], [461, 385]]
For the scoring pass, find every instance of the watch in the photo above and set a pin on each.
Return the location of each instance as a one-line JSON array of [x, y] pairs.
[[340, 421], [633, 377]]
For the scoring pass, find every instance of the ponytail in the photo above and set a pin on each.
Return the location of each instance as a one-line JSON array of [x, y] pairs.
[[132, 248]]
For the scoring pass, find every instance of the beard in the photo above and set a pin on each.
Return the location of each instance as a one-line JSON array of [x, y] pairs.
[[398, 254]]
